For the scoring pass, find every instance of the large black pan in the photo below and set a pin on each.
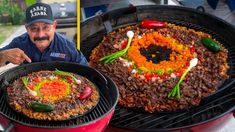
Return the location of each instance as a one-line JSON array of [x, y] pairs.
[[94, 29], [101, 25]]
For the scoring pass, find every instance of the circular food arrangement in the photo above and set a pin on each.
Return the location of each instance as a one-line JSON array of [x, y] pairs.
[[52, 95], [159, 66]]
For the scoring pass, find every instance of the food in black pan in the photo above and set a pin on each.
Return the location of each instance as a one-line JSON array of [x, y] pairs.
[[52, 95], [163, 67]]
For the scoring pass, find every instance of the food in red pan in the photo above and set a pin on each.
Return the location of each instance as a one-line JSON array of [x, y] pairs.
[[52, 95]]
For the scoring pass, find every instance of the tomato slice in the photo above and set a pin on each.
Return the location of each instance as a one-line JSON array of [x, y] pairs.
[[123, 45], [69, 79], [148, 76], [31, 86], [37, 79], [192, 49]]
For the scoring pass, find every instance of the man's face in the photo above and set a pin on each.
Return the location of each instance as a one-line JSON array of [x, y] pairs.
[[41, 34]]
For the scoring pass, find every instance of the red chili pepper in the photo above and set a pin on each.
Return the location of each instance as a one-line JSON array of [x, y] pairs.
[[86, 93], [152, 24]]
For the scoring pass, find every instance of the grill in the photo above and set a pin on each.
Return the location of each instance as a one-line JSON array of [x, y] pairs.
[[105, 85], [211, 107], [207, 111]]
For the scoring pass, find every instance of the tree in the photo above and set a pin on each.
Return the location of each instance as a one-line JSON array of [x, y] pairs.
[[5, 10], [11, 12]]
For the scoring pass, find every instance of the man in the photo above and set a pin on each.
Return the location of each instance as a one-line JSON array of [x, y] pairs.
[[41, 42]]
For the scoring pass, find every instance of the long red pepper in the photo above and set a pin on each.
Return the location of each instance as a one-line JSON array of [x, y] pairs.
[[152, 24], [86, 93]]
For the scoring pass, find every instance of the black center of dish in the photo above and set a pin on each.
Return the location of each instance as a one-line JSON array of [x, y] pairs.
[[156, 53]]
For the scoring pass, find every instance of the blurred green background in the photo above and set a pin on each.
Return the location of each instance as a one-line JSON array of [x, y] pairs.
[[12, 15]]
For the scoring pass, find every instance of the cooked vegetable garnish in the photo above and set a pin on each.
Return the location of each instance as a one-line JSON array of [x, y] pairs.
[[52, 89], [25, 82], [176, 90], [152, 24], [63, 73], [112, 57], [210, 44], [86, 93], [41, 107]]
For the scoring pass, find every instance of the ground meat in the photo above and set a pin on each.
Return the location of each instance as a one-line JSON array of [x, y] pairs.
[[152, 96]]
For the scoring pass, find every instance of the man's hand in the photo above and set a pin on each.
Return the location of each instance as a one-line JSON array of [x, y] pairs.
[[15, 56]]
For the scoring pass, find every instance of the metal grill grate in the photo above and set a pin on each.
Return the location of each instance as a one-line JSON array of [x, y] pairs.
[[129, 119]]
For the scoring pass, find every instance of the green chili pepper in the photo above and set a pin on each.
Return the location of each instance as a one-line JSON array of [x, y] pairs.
[[210, 44], [41, 107]]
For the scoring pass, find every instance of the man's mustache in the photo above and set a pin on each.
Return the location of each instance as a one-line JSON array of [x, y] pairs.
[[41, 38]]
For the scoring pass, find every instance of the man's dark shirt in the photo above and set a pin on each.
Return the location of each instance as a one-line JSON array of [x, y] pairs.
[[60, 49]]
